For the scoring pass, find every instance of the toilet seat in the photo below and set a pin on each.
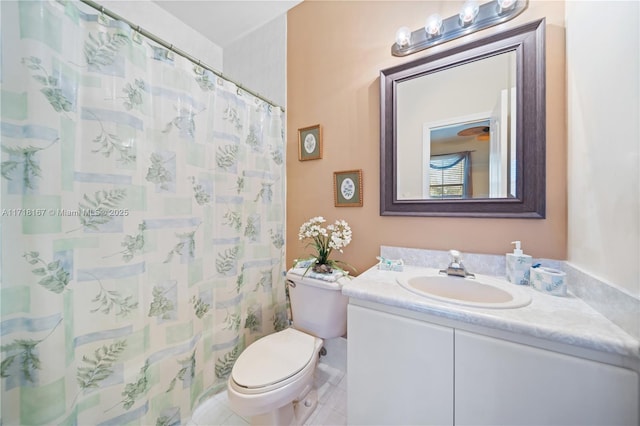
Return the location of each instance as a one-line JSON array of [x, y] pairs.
[[274, 361]]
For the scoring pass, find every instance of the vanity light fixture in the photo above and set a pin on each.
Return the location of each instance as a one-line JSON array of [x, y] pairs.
[[472, 17]]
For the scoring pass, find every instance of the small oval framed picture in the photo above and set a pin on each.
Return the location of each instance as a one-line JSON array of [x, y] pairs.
[[310, 143], [347, 188]]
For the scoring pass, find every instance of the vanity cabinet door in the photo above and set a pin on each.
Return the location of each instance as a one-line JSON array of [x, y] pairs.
[[504, 383], [400, 371]]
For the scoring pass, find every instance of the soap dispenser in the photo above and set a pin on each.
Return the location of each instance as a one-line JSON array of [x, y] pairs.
[[518, 265]]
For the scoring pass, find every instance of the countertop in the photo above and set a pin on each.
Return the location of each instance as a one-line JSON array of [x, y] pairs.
[[567, 320]]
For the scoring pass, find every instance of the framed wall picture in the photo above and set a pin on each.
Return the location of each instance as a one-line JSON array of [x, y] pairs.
[[310, 143], [347, 188]]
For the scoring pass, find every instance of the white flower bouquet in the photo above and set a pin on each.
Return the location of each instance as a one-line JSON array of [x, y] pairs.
[[324, 241]]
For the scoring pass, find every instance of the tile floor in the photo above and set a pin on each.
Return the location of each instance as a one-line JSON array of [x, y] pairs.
[[331, 383]]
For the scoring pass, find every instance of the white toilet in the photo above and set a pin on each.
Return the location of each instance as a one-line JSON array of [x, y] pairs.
[[272, 379]]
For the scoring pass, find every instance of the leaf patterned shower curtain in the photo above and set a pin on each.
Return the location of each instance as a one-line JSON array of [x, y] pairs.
[[142, 222]]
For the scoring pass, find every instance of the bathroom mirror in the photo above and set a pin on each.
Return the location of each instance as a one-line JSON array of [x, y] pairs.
[[463, 130]]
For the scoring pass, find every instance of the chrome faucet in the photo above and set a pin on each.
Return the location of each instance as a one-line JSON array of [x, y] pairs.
[[456, 268]]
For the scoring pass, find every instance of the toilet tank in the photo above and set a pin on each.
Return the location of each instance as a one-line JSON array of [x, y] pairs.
[[318, 307]]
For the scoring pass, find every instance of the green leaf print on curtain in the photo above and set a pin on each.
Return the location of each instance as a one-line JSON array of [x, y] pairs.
[[99, 366], [101, 48], [54, 277], [22, 353], [143, 247], [51, 85], [25, 156]]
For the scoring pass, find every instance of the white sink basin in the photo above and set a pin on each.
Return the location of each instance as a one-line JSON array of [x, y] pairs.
[[481, 292]]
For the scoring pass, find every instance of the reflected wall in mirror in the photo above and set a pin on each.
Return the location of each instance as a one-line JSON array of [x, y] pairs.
[[463, 131], [470, 109]]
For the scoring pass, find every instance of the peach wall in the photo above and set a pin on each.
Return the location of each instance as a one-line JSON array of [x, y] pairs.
[[335, 51]]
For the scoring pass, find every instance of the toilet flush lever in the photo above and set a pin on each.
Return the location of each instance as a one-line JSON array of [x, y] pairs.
[[291, 284]]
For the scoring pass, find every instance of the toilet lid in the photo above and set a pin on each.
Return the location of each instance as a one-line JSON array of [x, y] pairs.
[[273, 358]]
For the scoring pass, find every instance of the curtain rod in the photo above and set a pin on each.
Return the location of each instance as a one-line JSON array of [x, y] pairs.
[[174, 49]]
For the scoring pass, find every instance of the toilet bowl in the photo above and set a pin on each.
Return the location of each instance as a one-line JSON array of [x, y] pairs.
[[272, 380]]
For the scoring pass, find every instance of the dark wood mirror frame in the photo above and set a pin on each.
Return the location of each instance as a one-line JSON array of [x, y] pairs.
[[528, 42]]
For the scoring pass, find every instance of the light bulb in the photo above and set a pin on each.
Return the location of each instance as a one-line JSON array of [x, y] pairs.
[[403, 36], [433, 25], [505, 5], [469, 12]]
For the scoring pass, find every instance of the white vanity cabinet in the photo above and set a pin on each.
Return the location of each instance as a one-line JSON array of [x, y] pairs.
[[399, 370], [498, 382], [405, 370]]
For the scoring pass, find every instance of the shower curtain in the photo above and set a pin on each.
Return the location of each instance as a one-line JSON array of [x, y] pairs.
[[143, 205]]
